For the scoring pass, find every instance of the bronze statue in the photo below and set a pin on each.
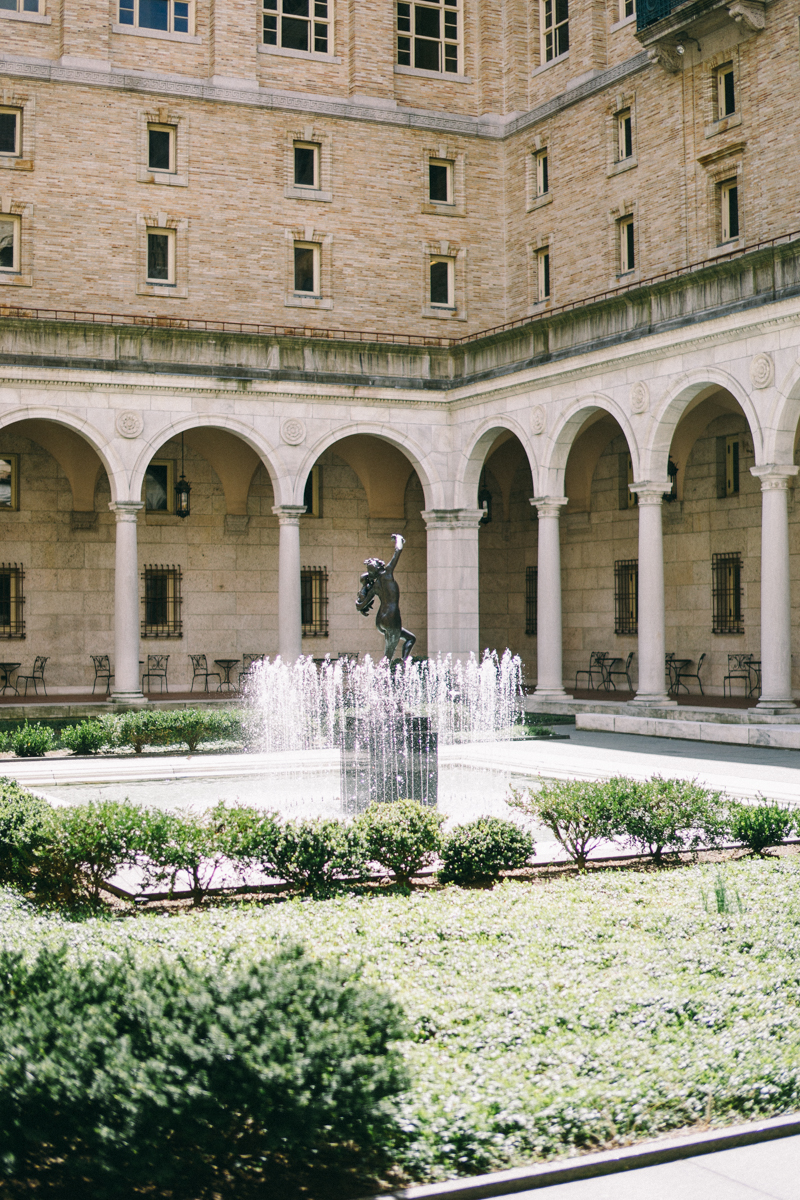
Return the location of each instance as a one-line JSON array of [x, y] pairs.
[[378, 582]]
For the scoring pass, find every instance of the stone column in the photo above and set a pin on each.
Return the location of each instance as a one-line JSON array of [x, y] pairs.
[[776, 622], [127, 682], [290, 628], [453, 586], [549, 681], [652, 641]]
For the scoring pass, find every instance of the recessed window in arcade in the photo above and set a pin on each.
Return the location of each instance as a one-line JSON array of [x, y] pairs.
[[297, 25], [9, 482], [159, 486]]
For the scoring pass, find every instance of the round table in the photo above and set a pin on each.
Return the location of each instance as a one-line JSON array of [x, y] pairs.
[[226, 665], [7, 668]]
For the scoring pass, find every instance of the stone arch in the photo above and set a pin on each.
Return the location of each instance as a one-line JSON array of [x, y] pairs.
[[783, 430], [684, 391], [432, 487], [80, 427], [569, 426], [477, 451]]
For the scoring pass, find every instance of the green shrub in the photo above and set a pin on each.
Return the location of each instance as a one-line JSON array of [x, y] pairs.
[[169, 843], [666, 815], [124, 1076], [313, 855], [90, 736], [145, 727], [579, 813], [31, 741], [85, 845], [757, 826], [481, 849], [24, 822], [191, 726], [403, 836]]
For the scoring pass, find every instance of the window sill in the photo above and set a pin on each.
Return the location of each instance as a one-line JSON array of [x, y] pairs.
[[549, 65], [16, 164], [164, 178], [443, 210], [444, 314], [624, 164], [540, 202], [451, 76], [161, 34], [169, 291], [15, 279], [300, 193], [293, 300], [631, 20], [625, 277], [31, 18], [721, 126], [312, 55], [727, 247]]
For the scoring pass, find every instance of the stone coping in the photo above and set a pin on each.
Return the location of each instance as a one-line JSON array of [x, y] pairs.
[[781, 736], [676, 714]]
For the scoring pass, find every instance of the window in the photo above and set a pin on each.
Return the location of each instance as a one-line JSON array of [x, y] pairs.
[[627, 245], [543, 273], [542, 173], [726, 593], [161, 148], [171, 16], [627, 8], [624, 135], [20, 5], [626, 596], [555, 28], [729, 210], [531, 599], [314, 601], [9, 242], [732, 445], [726, 91], [161, 256], [627, 498], [9, 482], [306, 165], [159, 486], [427, 35], [11, 601], [440, 181], [10, 130], [312, 495], [441, 273], [306, 268], [162, 602], [297, 25]]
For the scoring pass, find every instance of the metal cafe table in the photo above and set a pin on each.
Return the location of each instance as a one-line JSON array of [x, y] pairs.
[[226, 665], [8, 668]]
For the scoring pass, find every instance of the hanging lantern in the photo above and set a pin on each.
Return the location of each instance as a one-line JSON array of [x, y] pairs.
[[485, 501], [672, 471], [182, 490]]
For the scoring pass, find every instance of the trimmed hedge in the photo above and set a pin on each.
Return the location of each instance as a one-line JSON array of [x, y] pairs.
[[478, 851], [403, 837]]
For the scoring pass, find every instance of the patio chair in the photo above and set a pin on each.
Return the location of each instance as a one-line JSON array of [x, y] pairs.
[[350, 656], [738, 670], [683, 673], [595, 668], [156, 669], [248, 662], [102, 671], [36, 677], [623, 672], [200, 671]]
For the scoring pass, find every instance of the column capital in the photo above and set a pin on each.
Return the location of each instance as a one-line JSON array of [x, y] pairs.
[[452, 518], [289, 514], [125, 510], [548, 506], [774, 477], [652, 491]]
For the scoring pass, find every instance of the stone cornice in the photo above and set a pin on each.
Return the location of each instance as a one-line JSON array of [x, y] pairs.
[[488, 126]]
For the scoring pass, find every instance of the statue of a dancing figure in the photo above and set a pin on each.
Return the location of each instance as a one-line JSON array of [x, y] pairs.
[[378, 583]]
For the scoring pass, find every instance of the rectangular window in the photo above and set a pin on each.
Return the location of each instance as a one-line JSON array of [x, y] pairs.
[[9, 482], [306, 268], [312, 495], [29, 6], [726, 91], [161, 148], [162, 602], [9, 242], [440, 181], [543, 273], [624, 135], [627, 8], [441, 273], [531, 599], [627, 245], [159, 486], [306, 165], [555, 28], [314, 601], [298, 25], [10, 129], [729, 210], [626, 596], [726, 593], [169, 16], [627, 498], [428, 35], [732, 445], [161, 256], [542, 173], [11, 601]]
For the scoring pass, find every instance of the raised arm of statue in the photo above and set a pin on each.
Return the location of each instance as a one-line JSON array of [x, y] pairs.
[[399, 542]]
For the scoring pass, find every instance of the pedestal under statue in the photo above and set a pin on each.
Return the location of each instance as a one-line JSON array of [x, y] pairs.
[[378, 583]]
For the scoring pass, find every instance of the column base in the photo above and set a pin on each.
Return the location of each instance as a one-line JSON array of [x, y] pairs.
[[654, 700], [129, 699], [776, 707], [556, 694]]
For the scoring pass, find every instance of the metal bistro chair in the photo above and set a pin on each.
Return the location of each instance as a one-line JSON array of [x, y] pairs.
[[623, 672], [36, 677], [350, 656], [156, 669], [738, 670], [596, 659], [682, 674], [248, 662], [201, 671], [102, 671]]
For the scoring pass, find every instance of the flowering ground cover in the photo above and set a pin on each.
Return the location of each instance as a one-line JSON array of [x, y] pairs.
[[544, 1017]]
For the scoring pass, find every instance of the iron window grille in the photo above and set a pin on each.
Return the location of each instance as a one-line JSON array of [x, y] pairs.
[[314, 601], [162, 602], [726, 593], [626, 596], [531, 599], [427, 35], [12, 624]]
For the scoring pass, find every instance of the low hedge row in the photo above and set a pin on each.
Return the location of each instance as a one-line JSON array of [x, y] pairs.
[[137, 729]]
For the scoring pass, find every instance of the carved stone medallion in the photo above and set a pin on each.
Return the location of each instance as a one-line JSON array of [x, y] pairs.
[[293, 431], [129, 424], [640, 397], [762, 370], [538, 419]]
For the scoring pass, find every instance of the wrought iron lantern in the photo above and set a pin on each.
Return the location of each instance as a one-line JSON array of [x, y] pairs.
[[485, 501], [182, 490], [672, 471]]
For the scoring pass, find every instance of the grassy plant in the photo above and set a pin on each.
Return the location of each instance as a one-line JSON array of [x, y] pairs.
[[760, 825], [403, 837], [723, 898], [580, 814], [478, 851]]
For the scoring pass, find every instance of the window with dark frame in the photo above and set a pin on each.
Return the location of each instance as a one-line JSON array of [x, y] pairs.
[[726, 593], [162, 602], [159, 256], [543, 273], [306, 165], [542, 173], [440, 182], [314, 601], [10, 124], [302, 25], [626, 596], [726, 91], [427, 35], [531, 600], [627, 245], [12, 624], [441, 277], [729, 210], [555, 28], [624, 135], [305, 269], [160, 148]]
